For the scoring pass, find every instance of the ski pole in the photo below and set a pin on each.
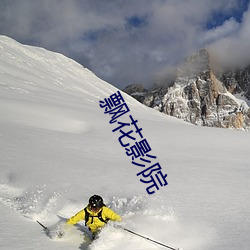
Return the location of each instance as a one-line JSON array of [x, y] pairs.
[[45, 228], [149, 239]]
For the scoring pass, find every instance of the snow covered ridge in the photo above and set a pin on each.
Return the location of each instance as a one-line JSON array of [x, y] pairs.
[[201, 97], [117, 107]]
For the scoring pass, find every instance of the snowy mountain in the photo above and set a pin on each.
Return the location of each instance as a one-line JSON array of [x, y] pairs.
[[201, 95], [58, 148]]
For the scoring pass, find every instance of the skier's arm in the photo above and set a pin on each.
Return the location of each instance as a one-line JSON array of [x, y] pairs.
[[77, 217], [110, 214]]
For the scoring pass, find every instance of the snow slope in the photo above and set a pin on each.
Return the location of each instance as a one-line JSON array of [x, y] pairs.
[[57, 148]]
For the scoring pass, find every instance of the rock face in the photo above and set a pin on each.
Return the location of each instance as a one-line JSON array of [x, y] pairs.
[[137, 91], [201, 97], [237, 81]]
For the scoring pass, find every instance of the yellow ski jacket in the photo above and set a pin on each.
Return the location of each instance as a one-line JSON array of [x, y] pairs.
[[94, 223]]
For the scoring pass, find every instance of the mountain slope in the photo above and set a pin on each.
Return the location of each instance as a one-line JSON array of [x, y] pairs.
[[58, 148]]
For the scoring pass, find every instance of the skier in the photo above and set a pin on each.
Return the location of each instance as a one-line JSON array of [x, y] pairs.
[[95, 214]]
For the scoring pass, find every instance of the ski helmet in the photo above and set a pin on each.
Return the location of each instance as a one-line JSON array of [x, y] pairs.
[[96, 202]]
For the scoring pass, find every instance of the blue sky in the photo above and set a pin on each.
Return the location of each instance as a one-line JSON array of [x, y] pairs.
[[131, 41], [218, 17]]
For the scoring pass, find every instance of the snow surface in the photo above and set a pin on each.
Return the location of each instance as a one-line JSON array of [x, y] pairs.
[[58, 148]]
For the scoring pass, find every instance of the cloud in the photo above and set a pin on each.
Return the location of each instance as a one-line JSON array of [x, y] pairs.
[[228, 28], [126, 42], [233, 49]]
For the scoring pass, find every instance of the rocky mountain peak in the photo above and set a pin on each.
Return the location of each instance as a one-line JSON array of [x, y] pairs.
[[196, 64], [202, 97]]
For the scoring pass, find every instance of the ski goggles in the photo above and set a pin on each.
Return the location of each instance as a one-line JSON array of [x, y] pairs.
[[94, 208]]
